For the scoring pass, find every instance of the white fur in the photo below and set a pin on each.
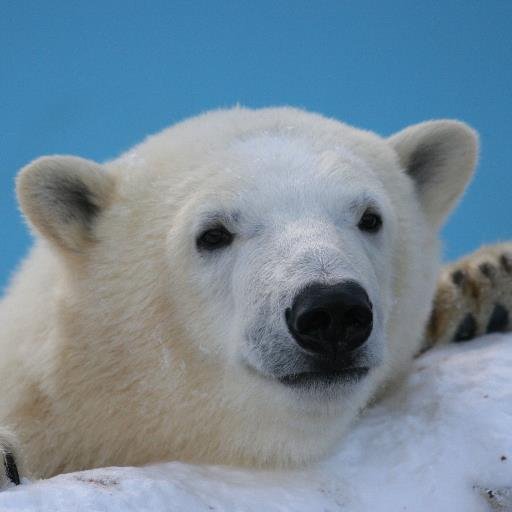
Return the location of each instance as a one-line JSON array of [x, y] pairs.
[[128, 346]]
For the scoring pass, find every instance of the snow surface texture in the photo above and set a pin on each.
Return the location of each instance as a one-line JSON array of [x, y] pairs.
[[441, 442]]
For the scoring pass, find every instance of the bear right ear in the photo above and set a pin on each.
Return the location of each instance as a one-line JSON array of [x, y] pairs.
[[62, 196], [440, 157]]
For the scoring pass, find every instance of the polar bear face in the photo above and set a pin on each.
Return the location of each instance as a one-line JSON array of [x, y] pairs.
[[269, 269], [290, 252]]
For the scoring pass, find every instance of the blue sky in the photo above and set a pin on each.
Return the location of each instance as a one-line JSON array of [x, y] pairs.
[[92, 78]]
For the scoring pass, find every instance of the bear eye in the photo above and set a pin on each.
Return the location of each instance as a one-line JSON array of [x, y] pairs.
[[370, 222], [214, 238]]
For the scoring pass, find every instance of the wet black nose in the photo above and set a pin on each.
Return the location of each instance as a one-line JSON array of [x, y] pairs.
[[328, 319]]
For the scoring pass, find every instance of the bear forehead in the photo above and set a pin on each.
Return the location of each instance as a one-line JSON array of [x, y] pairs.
[[268, 175], [240, 150], [288, 165], [277, 150], [193, 143]]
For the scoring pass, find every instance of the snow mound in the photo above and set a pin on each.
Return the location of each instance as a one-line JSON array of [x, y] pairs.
[[441, 442]]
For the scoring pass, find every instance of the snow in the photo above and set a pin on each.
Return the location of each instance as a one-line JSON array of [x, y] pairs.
[[442, 442]]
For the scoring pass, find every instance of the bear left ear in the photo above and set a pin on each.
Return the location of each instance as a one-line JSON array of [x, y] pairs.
[[62, 197], [440, 157]]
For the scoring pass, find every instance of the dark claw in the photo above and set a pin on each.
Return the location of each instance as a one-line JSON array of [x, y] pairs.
[[487, 270], [458, 277], [466, 329], [498, 322], [506, 262], [11, 470]]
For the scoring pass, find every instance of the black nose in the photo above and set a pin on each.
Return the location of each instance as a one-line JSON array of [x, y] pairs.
[[327, 319]]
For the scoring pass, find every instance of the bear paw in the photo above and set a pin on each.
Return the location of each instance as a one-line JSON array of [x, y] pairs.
[[473, 297], [9, 473]]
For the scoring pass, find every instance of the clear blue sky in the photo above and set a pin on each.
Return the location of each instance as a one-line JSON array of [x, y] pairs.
[[92, 78]]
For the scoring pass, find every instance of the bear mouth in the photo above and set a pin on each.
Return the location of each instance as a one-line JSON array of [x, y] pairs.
[[313, 379]]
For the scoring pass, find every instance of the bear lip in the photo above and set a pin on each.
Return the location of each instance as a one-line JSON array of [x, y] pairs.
[[308, 379]]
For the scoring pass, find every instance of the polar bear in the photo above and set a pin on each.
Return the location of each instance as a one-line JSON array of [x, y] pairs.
[[233, 290]]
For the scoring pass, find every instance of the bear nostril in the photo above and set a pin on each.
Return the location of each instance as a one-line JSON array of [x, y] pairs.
[[359, 324], [313, 321], [359, 317]]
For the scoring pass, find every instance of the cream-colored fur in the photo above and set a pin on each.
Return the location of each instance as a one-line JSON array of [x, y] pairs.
[[120, 344]]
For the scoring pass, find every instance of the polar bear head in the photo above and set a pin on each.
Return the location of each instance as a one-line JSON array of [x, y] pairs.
[[257, 275]]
